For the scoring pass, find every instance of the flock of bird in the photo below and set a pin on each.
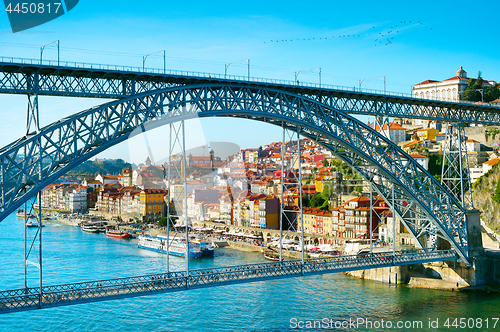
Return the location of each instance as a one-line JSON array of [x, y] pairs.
[[384, 38]]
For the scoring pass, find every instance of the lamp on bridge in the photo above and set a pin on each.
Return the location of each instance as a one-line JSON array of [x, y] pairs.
[[314, 69], [164, 60], [228, 64], [364, 79], [43, 48]]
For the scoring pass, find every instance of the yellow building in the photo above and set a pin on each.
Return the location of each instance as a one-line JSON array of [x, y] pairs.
[[152, 203], [327, 223], [427, 134], [309, 215]]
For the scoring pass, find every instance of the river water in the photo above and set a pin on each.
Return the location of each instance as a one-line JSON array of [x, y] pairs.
[[314, 303]]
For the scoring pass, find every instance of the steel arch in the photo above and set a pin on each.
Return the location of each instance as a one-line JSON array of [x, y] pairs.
[[425, 207]]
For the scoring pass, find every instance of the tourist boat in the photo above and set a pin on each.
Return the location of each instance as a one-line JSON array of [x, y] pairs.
[[33, 224], [117, 233], [20, 214], [177, 246], [207, 249], [270, 255], [91, 229]]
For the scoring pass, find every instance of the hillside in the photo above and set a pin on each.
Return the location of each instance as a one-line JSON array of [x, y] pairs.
[[483, 191]]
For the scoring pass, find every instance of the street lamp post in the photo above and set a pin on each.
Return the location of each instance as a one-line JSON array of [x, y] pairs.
[[364, 79], [164, 60], [228, 64], [43, 48], [314, 69]]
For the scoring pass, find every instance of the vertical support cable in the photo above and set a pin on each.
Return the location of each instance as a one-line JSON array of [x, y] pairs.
[[393, 224], [300, 196], [40, 216], [371, 216], [282, 190], [169, 179], [25, 248], [185, 196], [40, 245]]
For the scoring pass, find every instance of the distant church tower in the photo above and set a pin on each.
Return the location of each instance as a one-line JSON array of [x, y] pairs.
[[148, 162], [212, 156]]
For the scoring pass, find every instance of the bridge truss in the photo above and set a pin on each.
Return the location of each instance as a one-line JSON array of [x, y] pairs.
[[426, 209], [113, 82]]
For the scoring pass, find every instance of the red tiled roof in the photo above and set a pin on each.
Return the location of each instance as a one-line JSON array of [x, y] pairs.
[[492, 162], [427, 82]]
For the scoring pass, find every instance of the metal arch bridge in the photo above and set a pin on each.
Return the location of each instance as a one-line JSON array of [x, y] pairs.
[[102, 290], [425, 207], [147, 101], [28, 76]]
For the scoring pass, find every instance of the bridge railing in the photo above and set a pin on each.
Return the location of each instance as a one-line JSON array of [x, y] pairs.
[[238, 78], [31, 298]]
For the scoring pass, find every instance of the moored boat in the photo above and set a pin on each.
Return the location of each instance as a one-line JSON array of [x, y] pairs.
[[117, 233], [33, 224], [177, 246], [20, 214], [91, 229], [270, 255], [207, 249]]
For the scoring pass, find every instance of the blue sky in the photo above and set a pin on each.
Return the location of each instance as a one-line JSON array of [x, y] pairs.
[[204, 35]]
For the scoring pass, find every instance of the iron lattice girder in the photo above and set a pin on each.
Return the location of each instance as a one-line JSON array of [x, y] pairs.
[[17, 78], [72, 140], [101, 290]]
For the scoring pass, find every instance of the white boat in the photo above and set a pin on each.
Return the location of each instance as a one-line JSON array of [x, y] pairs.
[[33, 224], [177, 246], [207, 249]]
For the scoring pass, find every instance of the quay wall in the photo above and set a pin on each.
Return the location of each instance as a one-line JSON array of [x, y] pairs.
[[390, 275]]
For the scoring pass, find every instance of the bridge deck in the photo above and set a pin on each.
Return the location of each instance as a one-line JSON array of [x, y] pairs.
[[27, 76], [102, 290]]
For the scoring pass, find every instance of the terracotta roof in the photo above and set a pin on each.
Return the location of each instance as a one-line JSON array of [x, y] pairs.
[[492, 162], [427, 82], [471, 141], [392, 125], [458, 78], [418, 156]]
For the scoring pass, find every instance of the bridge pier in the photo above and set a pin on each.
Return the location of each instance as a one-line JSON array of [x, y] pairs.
[[485, 268], [394, 275]]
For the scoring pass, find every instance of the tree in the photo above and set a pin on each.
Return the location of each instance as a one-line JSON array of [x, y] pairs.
[[316, 201], [435, 164], [472, 91], [496, 195], [325, 163], [491, 93], [163, 222], [327, 191]]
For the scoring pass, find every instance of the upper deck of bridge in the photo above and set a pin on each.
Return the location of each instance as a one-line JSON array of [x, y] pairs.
[[159, 78]]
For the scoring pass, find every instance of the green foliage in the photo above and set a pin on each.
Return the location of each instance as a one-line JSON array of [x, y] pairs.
[[472, 92], [336, 162], [327, 191], [496, 194], [435, 164], [325, 163], [493, 133], [91, 167], [316, 201], [163, 222], [325, 206]]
